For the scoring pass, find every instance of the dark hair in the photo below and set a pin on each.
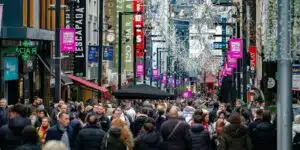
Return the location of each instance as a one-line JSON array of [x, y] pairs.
[[235, 118], [198, 112], [149, 124], [197, 119], [190, 102], [259, 112], [222, 112], [61, 114], [266, 116], [18, 108], [30, 135]]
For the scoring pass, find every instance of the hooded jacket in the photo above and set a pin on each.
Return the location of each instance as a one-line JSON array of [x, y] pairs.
[[235, 138], [11, 134], [200, 137], [112, 140], [262, 135], [148, 141]]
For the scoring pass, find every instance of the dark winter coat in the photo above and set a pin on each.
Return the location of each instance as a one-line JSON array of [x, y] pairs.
[[104, 122], [29, 147], [90, 138], [180, 140], [138, 124], [11, 134], [112, 140], [55, 133], [148, 141], [235, 138], [200, 137], [159, 121], [262, 134], [3, 117]]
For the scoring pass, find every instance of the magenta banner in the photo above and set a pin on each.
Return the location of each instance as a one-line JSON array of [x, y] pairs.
[[155, 73], [139, 69], [236, 47], [232, 62], [164, 79], [67, 40], [187, 94]]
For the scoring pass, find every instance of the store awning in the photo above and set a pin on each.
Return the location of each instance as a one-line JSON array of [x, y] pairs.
[[88, 83]]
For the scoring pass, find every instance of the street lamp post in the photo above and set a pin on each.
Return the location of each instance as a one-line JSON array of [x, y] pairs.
[[57, 52], [100, 43]]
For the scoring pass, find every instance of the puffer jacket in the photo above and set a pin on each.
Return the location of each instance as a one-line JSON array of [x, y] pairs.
[[112, 140], [263, 134], [235, 138], [90, 138], [11, 134], [200, 137], [148, 141]]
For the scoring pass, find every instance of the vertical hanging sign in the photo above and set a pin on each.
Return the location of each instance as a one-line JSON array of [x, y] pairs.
[[138, 23], [80, 38], [67, 40], [139, 69], [1, 14], [252, 51], [128, 46]]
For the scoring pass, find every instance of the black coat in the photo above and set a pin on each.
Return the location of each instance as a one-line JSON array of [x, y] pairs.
[[112, 140], [105, 123], [90, 138], [262, 134], [235, 137], [3, 117], [200, 138], [54, 133], [148, 141], [29, 147], [180, 140], [11, 134]]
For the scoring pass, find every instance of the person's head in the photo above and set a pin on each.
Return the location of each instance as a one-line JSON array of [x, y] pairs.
[[45, 122], [55, 145], [161, 110], [197, 118], [3, 103], [220, 125], [190, 103], [37, 101], [92, 120], [126, 136], [222, 115], [100, 110], [145, 110], [63, 119], [42, 113], [30, 135], [117, 112], [235, 118], [17, 110], [149, 125], [173, 113], [297, 119], [63, 108], [238, 103], [222, 107], [61, 102], [259, 114], [206, 117], [266, 116]]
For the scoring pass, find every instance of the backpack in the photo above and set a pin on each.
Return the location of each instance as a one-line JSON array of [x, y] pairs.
[[296, 142]]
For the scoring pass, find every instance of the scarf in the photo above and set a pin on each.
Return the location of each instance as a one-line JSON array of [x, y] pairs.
[[42, 132]]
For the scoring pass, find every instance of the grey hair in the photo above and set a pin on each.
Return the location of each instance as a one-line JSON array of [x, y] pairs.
[[297, 119], [55, 145], [5, 100]]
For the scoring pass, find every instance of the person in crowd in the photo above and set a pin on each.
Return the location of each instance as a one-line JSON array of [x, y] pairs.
[[141, 117], [118, 137], [63, 108], [128, 109], [239, 109], [263, 133], [235, 136], [188, 111], [43, 130], [296, 132], [55, 145], [75, 122], [119, 114], [33, 115], [30, 139], [3, 112], [257, 120], [218, 136], [37, 103], [198, 112], [200, 137], [103, 120], [62, 131], [213, 113], [221, 116], [223, 108], [11, 134], [56, 110], [175, 133], [207, 124], [41, 114], [149, 139], [161, 117], [91, 136]]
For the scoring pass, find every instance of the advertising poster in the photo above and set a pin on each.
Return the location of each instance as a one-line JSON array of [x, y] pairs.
[[139, 69], [93, 54], [67, 40], [108, 53], [11, 68], [236, 47]]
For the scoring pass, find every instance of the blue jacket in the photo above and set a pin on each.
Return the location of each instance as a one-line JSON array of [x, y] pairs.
[[54, 133]]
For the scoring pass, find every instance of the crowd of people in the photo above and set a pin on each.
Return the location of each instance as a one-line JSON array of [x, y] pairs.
[[138, 125]]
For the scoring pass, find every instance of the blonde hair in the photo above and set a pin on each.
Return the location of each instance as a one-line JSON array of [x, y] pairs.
[[55, 145], [126, 136]]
